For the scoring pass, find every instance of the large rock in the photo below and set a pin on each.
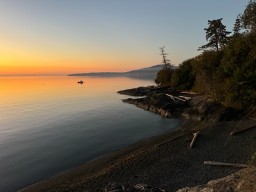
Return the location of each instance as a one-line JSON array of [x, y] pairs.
[[241, 181]]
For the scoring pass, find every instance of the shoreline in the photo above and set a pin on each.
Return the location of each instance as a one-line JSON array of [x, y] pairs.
[[165, 161], [93, 167]]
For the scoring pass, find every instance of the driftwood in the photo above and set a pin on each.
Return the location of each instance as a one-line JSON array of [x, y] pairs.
[[225, 164], [241, 130], [174, 97], [196, 134], [186, 98], [240, 122], [189, 92]]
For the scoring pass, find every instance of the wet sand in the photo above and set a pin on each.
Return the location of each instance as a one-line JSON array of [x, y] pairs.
[[163, 161]]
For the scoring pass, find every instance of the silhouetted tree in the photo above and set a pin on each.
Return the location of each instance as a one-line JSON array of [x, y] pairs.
[[165, 61], [237, 25], [216, 34], [249, 16], [164, 76]]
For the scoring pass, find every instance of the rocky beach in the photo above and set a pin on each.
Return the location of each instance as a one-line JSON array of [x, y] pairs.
[[166, 162]]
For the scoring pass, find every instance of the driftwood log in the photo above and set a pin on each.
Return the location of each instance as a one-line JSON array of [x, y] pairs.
[[215, 163], [195, 136], [177, 98], [241, 130]]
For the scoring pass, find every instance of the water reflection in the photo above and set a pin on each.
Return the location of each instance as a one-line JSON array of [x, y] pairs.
[[51, 124]]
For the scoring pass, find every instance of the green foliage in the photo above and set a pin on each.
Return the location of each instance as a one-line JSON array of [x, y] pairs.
[[208, 74], [239, 66], [249, 16], [183, 77], [216, 34], [164, 77], [226, 72], [237, 25]]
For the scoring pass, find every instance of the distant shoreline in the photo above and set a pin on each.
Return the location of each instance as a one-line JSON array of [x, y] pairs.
[[148, 73]]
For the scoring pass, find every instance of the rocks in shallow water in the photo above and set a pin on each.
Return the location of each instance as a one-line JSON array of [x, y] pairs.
[[117, 187], [160, 104]]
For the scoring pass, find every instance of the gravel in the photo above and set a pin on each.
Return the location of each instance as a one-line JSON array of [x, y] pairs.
[[163, 161]]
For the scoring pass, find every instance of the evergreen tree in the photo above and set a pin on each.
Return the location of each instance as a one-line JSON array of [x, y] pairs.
[[237, 25], [249, 16], [216, 34]]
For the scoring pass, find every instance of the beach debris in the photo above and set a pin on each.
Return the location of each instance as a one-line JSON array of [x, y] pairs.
[[215, 163], [117, 187], [195, 136], [186, 98], [176, 98], [234, 132]]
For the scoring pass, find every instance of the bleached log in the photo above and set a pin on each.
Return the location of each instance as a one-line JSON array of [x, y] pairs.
[[189, 92], [225, 164], [186, 98], [196, 134], [173, 98]]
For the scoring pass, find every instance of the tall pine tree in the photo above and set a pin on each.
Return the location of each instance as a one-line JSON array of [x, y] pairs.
[[237, 25], [216, 35]]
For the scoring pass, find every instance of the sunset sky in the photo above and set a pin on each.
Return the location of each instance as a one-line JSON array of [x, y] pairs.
[[58, 37]]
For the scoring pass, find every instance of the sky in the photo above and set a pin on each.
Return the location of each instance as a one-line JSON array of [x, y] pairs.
[[58, 37]]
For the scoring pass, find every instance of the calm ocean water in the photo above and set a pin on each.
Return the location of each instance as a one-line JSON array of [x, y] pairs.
[[51, 124]]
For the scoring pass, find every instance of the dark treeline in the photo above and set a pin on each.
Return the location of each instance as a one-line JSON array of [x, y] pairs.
[[226, 69]]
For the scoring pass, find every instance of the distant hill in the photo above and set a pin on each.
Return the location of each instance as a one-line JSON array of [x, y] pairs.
[[144, 73]]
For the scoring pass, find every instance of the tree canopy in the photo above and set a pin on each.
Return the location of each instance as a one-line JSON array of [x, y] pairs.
[[226, 70], [216, 35]]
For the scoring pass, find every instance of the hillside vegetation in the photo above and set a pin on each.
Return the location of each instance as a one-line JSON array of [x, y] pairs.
[[226, 69]]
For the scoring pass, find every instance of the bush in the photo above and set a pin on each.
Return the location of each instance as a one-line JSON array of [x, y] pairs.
[[164, 77]]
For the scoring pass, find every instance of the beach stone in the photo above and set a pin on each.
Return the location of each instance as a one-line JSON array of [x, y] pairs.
[[113, 187], [117, 187], [142, 186]]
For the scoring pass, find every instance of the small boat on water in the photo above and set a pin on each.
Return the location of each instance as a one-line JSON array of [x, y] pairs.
[[80, 82]]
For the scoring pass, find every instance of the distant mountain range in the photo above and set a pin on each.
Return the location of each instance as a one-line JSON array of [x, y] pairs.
[[144, 73]]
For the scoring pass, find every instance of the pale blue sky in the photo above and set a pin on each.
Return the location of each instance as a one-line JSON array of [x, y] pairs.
[[114, 34]]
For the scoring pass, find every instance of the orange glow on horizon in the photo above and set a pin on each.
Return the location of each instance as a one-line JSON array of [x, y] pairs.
[[20, 59], [54, 70]]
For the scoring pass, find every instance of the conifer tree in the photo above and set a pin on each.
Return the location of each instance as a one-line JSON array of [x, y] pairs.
[[216, 35], [237, 25], [249, 16]]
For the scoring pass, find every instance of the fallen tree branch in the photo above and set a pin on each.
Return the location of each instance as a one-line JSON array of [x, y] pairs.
[[225, 164], [174, 97], [240, 122], [196, 134]]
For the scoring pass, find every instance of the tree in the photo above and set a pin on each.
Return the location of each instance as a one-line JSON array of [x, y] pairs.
[[249, 16], [164, 76], [216, 34], [165, 61], [237, 25], [183, 77]]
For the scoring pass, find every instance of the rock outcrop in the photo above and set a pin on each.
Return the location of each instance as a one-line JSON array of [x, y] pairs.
[[241, 181], [156, 100]]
